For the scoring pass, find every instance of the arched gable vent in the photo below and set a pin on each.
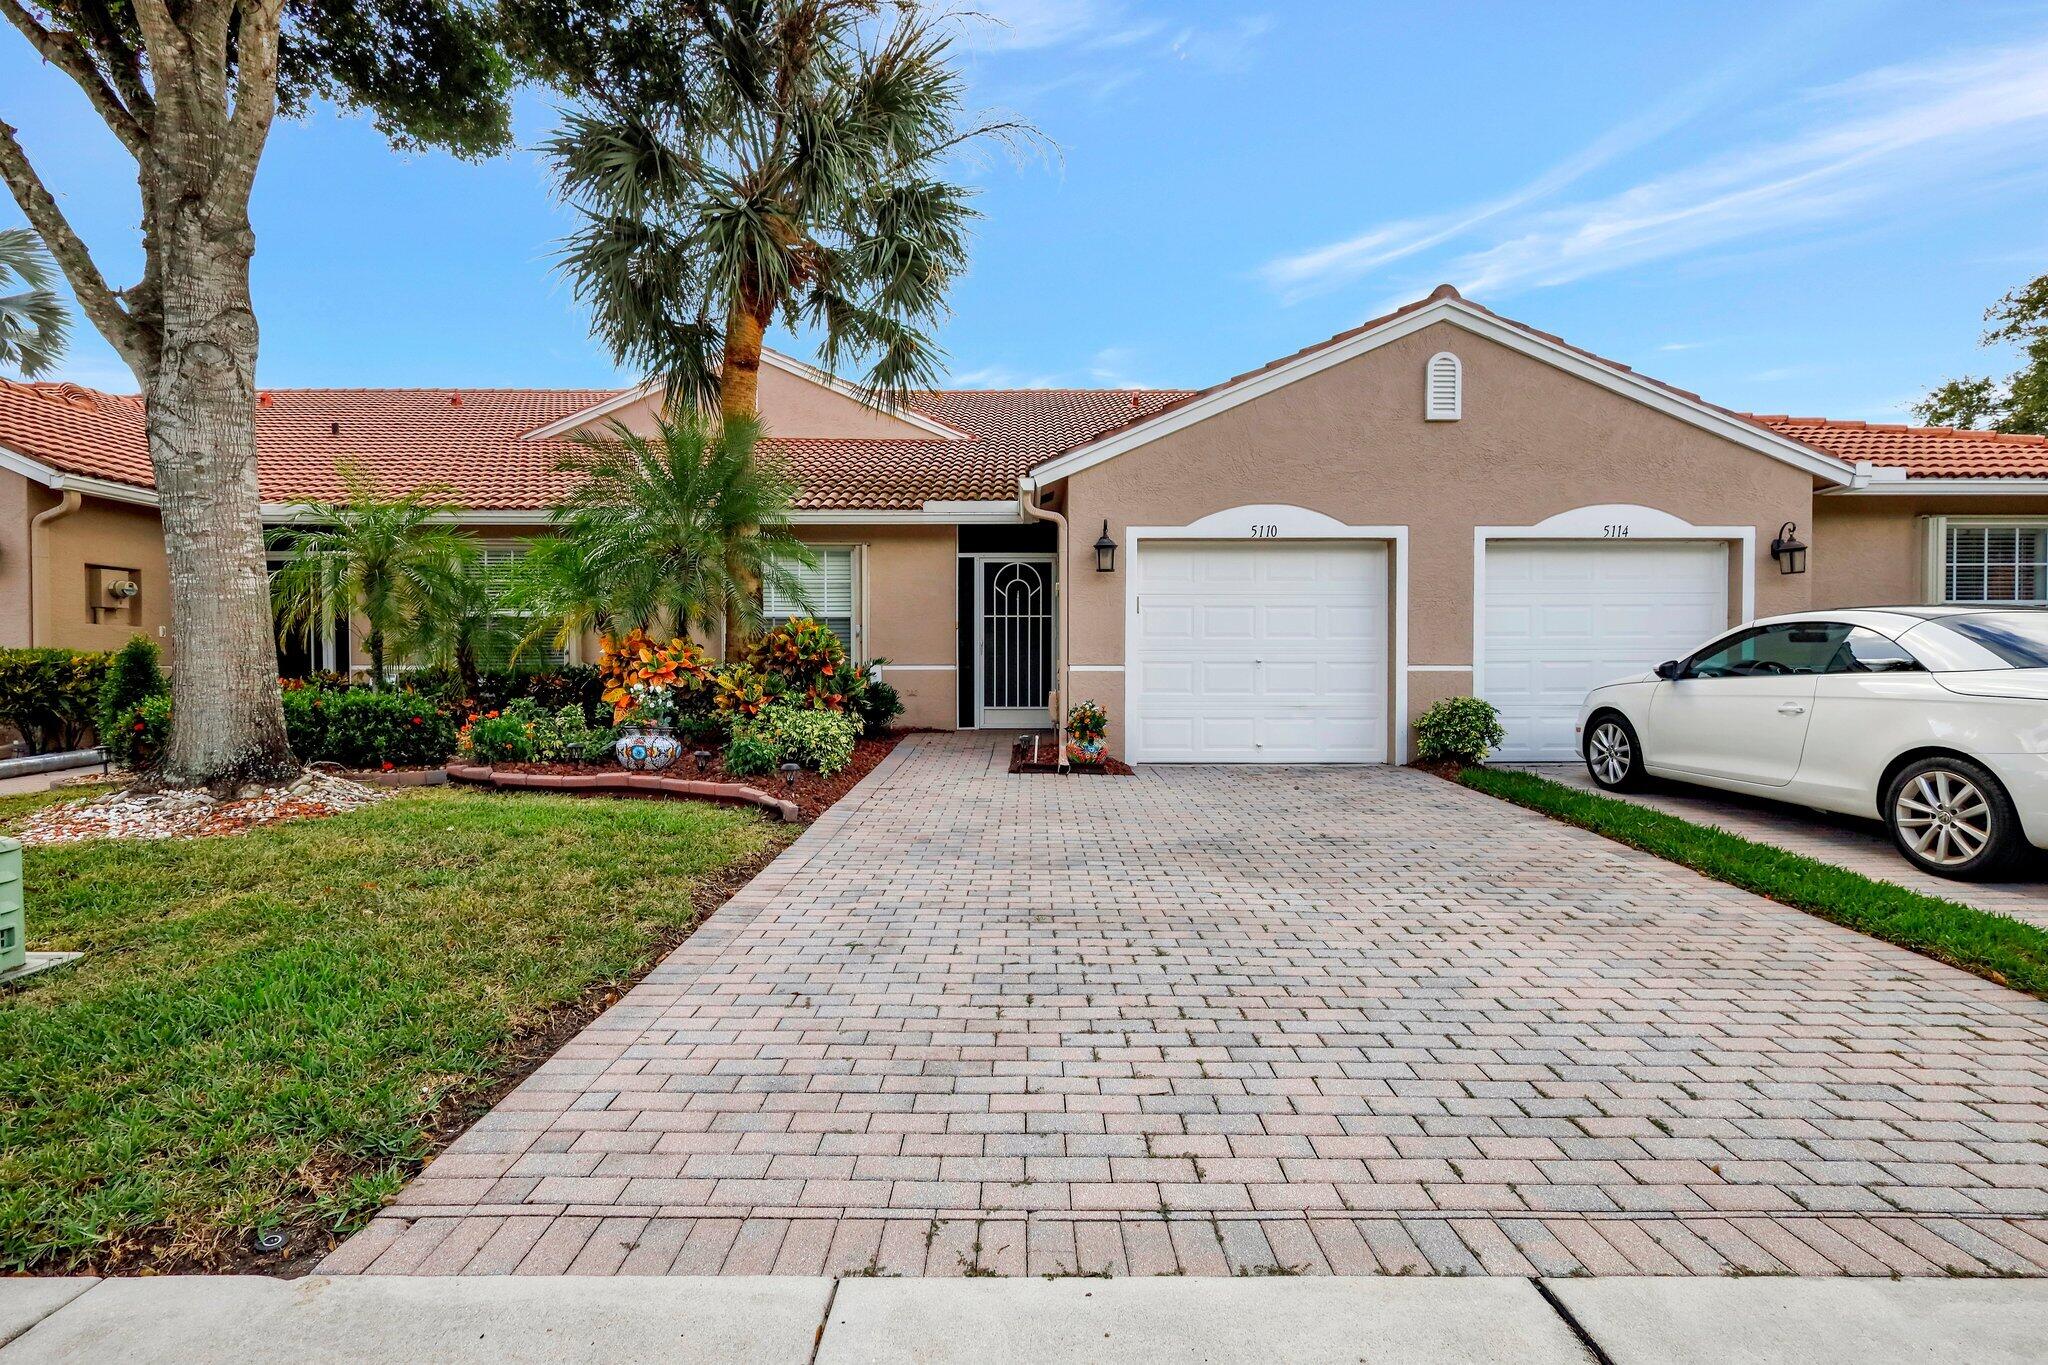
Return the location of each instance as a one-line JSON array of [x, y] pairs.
[[1444, 388]]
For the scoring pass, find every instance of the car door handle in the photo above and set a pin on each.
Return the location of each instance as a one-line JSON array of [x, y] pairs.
[[1791, 708]]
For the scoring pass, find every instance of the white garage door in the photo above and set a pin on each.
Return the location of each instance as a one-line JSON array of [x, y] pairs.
[[1562, 617], [1260, 652]]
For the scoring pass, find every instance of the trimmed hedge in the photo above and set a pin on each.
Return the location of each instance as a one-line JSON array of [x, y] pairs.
[[51, 695], [362, 728]]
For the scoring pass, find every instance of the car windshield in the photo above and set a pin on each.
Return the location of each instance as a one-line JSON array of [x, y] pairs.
[[1992, 639]]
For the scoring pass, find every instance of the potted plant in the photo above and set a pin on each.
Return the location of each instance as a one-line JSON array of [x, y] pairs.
[[1087, 724], [648, 686]]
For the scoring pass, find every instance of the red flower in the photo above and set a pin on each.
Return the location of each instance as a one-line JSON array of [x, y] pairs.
[[387, 765], [416, 720], [140, 726]]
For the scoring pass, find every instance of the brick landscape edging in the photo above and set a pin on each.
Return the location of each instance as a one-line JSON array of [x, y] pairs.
[[632, 784]]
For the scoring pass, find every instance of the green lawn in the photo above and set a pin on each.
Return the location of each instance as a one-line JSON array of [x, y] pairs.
[[2008, 951], [270, 1031]]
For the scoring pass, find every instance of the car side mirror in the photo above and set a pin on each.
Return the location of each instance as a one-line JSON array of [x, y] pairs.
[[1669, 670]]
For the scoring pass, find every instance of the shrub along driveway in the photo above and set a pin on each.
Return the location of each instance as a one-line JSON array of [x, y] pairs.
[[1253, 1020]]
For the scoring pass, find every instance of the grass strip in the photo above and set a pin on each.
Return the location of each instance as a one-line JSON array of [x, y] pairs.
[[2008, 951], [271, 1032]]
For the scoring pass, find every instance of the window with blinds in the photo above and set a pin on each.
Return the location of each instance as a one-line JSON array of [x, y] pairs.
[[498, 558], [1997, 564], [824, 592]]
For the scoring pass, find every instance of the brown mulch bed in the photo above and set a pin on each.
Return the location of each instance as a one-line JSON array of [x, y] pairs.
[[1022, 762], [814, 793]]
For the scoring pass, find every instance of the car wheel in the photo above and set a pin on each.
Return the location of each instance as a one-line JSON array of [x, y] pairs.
[[1614, 756], [1951, 817]]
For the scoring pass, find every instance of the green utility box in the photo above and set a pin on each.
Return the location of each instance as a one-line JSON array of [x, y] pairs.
[[13, 934]]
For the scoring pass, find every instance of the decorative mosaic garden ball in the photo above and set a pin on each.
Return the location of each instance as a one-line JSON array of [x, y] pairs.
[[646, 749]]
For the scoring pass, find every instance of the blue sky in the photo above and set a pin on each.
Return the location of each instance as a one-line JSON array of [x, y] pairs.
[[1785, 206]]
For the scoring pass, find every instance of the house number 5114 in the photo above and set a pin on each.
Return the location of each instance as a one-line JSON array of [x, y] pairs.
[[1265, 532], [1617, 532]]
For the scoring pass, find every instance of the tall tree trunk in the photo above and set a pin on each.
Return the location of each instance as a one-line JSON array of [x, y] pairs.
[[739, 389], [465, 668], [376, 645], [200, 406], [739, 376]]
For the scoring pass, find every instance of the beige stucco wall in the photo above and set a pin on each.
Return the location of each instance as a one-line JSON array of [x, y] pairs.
[[793, 406], [908, 613], [1871, 550], [1351, 442], [14, 565], [114, 534]]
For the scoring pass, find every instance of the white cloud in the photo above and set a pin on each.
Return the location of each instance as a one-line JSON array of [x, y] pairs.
[[1915, 125]]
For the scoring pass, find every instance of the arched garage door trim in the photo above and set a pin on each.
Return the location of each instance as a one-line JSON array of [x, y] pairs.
[[1611, 524], [1279, 521]]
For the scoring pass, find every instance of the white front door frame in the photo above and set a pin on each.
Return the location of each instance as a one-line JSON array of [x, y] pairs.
[[1278, 521], [1023, 718], [1611, 523]]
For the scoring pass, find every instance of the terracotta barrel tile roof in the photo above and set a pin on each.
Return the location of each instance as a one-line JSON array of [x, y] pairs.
[[472, 444], [1923, 452]]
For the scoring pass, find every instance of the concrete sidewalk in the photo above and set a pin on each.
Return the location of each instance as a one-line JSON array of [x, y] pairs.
[[738, 1320]]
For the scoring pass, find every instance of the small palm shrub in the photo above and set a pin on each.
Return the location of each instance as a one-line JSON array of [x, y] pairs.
[[133, 677], [1458, 730]]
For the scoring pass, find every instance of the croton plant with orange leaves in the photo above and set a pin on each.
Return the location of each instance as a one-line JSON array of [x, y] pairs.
[[651, 680], [808, 659]]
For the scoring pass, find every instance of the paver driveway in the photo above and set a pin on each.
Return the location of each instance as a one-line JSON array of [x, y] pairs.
[[1212, 1019]]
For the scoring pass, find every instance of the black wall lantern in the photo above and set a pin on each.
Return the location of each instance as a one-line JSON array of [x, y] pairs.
[[1105, 551], [1788, 551]]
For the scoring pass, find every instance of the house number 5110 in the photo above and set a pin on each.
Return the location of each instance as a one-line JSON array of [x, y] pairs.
[[1265, 532]]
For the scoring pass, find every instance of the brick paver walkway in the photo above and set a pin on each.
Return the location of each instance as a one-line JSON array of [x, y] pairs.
[[1859, 845], [1215, 1020]]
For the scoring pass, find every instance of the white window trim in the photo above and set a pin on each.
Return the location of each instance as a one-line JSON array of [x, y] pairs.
[[1934, 563], [857, 647]]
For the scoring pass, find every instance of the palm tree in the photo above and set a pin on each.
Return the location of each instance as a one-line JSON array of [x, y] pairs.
[[383, 558], [462, 619], [560, 593], [33, 325], [796, 176], [680, 526]]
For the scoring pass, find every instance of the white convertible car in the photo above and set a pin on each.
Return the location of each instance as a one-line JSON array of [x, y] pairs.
[[1933, 719]]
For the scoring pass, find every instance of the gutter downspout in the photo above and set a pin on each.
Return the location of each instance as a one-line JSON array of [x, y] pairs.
[[39, 563], [1027, 502]]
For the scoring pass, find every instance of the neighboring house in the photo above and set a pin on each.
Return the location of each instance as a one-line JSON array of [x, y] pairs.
[[1440, 501]]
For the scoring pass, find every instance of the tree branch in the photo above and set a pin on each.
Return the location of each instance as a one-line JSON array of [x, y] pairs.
[[255, 101], [136, 343], [64, 51], [123, 62]]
